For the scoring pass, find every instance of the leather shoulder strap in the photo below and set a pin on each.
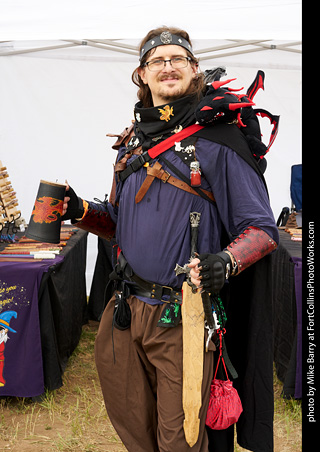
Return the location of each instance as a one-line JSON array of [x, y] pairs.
[[123, 138]]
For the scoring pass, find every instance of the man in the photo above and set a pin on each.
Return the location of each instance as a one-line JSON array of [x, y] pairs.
[[139, 343]]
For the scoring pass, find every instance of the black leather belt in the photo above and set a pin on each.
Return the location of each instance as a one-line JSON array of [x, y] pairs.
[[157, 292], [146, 288]]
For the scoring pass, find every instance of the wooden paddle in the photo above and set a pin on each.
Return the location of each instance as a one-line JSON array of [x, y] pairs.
[[193, 350]]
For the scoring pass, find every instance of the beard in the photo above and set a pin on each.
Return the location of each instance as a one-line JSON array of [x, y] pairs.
[[168, 95]]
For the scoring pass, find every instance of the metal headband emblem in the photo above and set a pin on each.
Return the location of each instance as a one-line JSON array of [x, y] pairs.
[[166, 37]]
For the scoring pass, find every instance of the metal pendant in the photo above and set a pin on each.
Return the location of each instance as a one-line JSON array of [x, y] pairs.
[[195, 174]]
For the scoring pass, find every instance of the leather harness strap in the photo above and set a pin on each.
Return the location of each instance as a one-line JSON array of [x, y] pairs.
[[124, 171], [121, 165], [157, 171]]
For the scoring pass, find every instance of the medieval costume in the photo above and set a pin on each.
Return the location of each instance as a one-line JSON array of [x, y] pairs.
[[139, 343], [153, 235]]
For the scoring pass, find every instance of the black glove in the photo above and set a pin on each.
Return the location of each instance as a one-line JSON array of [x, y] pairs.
[[214, 270], [75, 206]]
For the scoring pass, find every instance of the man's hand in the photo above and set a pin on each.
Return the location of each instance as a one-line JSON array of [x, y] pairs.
[[209, 271], [195, 272], [65, 202], [72, 205]]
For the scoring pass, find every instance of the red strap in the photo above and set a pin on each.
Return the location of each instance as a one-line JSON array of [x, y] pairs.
[[166, 144], [220, 332]]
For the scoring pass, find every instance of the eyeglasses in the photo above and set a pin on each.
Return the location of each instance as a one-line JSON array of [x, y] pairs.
[[176, 63]]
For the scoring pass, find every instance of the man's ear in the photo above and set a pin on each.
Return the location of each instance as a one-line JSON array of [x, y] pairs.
[[141, 71], [195, 67]]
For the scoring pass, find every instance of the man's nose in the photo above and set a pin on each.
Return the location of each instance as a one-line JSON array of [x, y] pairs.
[[167, 66]]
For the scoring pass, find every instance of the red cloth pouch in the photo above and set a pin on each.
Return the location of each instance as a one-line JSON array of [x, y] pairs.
[[224, 404]]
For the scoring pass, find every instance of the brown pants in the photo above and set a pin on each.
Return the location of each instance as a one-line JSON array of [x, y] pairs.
[[140, 372]]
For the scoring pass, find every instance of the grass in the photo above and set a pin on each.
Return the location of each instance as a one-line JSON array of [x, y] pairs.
[[73, 418], [287, 421]]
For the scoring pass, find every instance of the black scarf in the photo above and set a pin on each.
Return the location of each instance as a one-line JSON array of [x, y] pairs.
[[154, 124]]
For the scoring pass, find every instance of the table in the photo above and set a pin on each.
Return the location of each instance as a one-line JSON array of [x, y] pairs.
[[48, 303], [287, 313]]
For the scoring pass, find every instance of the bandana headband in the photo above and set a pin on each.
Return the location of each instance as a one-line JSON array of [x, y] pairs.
[[165, 38]]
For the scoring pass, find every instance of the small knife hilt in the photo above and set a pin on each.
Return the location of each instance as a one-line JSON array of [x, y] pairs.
[[180, 270], [185, 270]]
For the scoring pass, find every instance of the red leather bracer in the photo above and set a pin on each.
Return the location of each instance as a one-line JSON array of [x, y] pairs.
[[97, 222], [252, 245]]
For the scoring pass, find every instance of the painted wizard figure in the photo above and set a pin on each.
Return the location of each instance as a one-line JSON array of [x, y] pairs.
[[5, 328], [189, 194]]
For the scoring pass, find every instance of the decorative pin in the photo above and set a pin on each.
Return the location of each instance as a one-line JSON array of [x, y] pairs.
[[133, 142], [190, 149], [166, 112], [195, 174], [187, 150], [177, 129], [178, 147]]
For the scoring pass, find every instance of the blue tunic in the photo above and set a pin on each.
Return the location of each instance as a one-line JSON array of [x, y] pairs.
[[154, 235]]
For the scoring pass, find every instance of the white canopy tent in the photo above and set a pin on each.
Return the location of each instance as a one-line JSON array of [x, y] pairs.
[[249, 19], [63, 89]]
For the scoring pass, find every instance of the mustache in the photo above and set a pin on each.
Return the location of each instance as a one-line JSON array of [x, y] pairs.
[[175, 76]]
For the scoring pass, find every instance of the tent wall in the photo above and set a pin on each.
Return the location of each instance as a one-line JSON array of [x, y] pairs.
[[55, 114]]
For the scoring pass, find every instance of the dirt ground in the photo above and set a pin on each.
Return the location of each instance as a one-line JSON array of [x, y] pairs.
[[73, 418]]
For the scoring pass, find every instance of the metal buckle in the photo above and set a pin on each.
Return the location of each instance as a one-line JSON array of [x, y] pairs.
[[165, 180], [169, 294], [172, 294]]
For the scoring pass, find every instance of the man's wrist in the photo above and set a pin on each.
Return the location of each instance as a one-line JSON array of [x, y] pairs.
[[227, 258], [232, 264]]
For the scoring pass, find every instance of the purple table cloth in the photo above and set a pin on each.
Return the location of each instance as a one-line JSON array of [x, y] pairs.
[[21, 366]]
